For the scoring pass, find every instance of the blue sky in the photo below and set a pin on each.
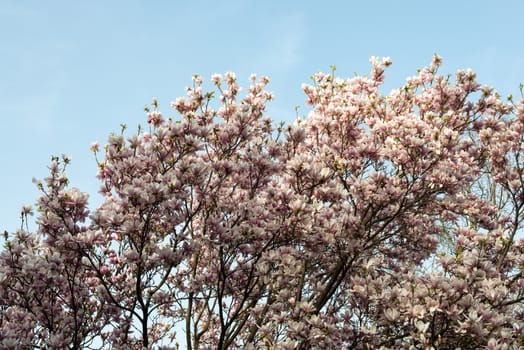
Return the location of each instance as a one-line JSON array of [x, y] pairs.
[[72, 71]]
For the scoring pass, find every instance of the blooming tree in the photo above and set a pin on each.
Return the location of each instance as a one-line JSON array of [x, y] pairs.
[[377, 222]]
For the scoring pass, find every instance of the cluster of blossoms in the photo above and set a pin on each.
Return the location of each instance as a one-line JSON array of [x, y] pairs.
[[377, 222]]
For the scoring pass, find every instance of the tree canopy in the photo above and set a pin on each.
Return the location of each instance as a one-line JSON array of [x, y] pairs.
[[376, 222]]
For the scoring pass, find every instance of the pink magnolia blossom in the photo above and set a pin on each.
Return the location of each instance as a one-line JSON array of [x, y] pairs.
[[375, 222]]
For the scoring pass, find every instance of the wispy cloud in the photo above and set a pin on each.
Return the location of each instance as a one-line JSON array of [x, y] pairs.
[[284, 40], [34, 109], [38, 111]]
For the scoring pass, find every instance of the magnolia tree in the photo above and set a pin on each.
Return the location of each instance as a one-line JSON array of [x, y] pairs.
[[377, 222]]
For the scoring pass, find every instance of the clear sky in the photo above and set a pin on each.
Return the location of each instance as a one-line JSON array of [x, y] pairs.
[[72, 71]]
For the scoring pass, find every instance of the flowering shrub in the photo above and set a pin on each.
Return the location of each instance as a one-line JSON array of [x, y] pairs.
[[378, 222]]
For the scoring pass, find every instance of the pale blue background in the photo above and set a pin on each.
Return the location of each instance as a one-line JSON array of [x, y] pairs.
[[72, 71]]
